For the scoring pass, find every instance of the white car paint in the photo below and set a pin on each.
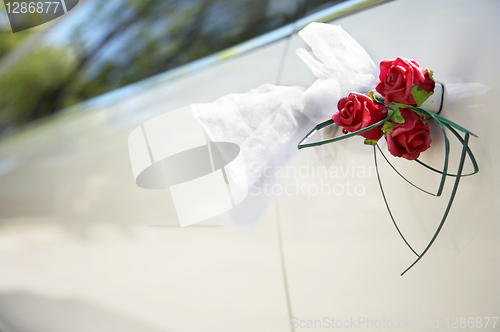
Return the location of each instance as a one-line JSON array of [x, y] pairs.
[[79, 239]]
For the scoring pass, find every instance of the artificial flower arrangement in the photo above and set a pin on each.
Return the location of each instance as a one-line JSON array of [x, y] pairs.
[[402, 84], [396, 114], [265, 121]]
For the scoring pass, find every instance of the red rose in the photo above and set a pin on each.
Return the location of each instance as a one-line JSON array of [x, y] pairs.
[[397, 79], [408, 139], [358, 111]]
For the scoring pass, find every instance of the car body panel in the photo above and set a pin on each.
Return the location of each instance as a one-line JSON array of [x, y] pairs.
[[344, 256], [67, 186]]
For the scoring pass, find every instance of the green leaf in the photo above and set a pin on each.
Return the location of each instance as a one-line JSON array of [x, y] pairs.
[[395, 113], [393, 107], [376, 98], [388, 127], [371, 141], [420, 112], [371, 94], [398, 118], [401, 105], [420, 95], [431, 73]]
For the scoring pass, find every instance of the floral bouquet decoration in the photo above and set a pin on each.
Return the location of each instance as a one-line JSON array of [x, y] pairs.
[[393, 111]]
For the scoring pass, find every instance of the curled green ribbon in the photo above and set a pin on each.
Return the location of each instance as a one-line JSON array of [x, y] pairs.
[[443, 124]]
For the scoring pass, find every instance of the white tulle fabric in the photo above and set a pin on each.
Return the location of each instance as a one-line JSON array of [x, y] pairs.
[[341, 65], [269, 121]]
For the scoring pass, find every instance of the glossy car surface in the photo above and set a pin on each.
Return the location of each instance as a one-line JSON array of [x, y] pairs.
[[83, 248]]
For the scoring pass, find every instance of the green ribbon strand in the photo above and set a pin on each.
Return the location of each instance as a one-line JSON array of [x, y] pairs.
[[442, 123], [302, 144], [387, 204]]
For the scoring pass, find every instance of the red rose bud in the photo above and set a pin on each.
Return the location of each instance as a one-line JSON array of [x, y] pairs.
[[410, 138], [358, 111], [402, 81]]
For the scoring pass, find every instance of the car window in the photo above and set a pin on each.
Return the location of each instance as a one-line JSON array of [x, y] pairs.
[[316, 5], [103, 45]]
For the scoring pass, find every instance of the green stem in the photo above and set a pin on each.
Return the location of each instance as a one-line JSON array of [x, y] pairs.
[[387, 204], [450, 202]]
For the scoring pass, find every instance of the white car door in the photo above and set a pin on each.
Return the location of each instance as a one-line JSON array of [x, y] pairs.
[[344, 256]]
